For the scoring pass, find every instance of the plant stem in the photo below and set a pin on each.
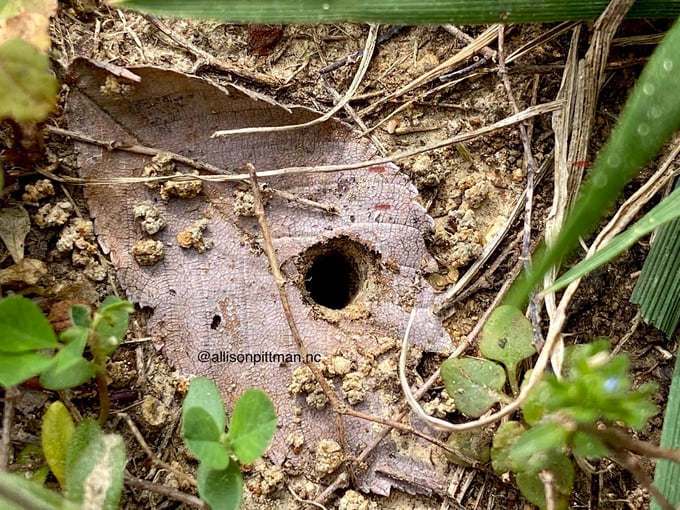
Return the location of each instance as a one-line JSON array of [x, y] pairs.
[[615, 438], [103, 392]]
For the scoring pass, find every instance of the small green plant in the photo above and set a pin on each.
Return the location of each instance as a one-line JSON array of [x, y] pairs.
[[251, 428], [477, 384], [29, 341], [576, 415], [572, 416], [87, 463]]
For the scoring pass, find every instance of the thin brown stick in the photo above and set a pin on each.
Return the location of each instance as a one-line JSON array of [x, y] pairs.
[[354, 57], [456, 32], [102, 382], [221, 177], [157, 461], [616, 438], [280, 281], [352, 113], [211, 60], [533, 310], [11, 395], [628, 462], [164, 490], [177, 158]]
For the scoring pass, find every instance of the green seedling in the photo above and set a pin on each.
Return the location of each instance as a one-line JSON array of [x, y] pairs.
[[89, 466], [562, 417], [251, 428], [29, 340], [571, 416], [477, 384]]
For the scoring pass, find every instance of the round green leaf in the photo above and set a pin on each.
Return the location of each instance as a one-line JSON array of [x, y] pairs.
[[203, 438], [221, 489], [203, 393], [252, 425], [28, 90], [473, 383], [507, 337], [24, 327], [16, 368]]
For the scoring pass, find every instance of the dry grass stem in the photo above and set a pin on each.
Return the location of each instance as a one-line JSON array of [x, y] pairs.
[[221, 177], [358, 77]]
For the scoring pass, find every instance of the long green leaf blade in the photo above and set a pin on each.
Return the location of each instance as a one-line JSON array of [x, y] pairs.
[[649, 118], [658, 287], [666, 211], [396, 11], [667, 473]]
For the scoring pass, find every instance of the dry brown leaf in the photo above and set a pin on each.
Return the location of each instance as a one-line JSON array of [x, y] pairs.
[[213, 307], [14, 226], [27, 271]]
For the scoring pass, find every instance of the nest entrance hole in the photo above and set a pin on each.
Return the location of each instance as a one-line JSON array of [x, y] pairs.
[[335, 272]]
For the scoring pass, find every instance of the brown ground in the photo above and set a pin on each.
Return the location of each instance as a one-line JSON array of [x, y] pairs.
[[469, 189]]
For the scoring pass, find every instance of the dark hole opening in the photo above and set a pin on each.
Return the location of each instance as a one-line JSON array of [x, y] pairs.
[[332, 279], [215, 322]]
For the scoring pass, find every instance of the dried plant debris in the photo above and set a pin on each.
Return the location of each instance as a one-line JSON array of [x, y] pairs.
[[14, 226], [352, 277]]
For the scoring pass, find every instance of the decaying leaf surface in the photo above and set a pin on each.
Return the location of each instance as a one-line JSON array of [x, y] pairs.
[[217, 313], [14, 226]]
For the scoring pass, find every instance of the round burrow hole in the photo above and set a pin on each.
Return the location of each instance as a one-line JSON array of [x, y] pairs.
[[336, 271]]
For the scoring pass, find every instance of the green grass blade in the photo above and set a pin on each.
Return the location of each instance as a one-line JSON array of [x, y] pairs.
[[658, 287], [666, 211], [668, 473], [395, 11], [650, 117]]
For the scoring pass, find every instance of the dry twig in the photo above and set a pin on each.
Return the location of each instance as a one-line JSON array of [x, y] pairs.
[[11, 395], [354, 86], [177, 495], [209, 59], [225, 176]]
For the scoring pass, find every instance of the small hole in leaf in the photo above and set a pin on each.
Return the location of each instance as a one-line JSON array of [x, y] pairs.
[[216, 320], [335, 272]]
